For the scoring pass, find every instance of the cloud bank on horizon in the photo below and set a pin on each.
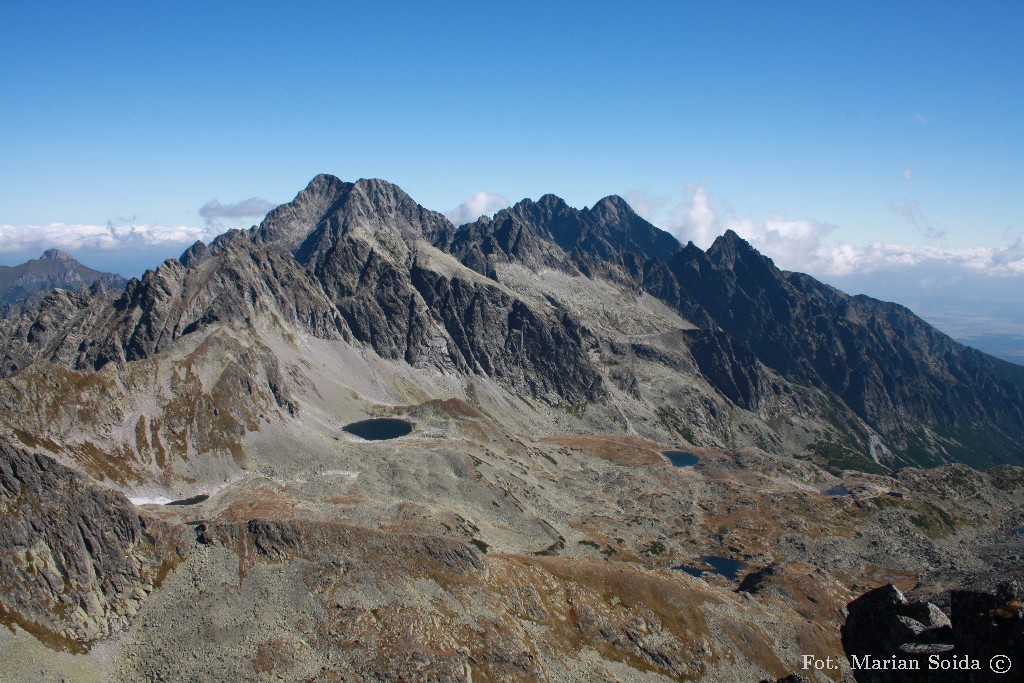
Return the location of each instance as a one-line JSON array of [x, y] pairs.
[[125, 234], [73, 237], [802, 244]]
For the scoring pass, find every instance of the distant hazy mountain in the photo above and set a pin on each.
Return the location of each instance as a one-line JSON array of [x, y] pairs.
[[54, 269]]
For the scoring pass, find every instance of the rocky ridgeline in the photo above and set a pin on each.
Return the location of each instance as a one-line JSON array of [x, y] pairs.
[[354, 261]]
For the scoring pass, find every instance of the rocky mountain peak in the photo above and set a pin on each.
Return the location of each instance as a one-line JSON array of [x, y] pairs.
[[329, 208], [538, 212], [613, 205], [730, 247], [550, 200], [58, 255]]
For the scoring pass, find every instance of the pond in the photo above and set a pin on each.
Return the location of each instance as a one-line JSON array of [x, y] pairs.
[[681, 458], [723, 566], [194, 500], [838, 490], [379, 429]]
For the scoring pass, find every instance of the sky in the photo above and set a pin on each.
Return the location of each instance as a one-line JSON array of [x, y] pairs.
[[876, 145]]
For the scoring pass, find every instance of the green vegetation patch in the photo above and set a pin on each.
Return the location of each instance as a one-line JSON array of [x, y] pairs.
[[841, 455], [928, 517], [655, 548], [674, 423], [553, 548]]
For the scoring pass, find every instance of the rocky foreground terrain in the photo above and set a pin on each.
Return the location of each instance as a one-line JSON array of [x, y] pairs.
[[530, 526]]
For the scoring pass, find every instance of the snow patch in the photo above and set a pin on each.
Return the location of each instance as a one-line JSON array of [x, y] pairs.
[[341, 473], [149, 500]]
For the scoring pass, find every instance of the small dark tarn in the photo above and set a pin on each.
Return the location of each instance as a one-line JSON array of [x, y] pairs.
[[838, 490], [190, 501], [379, 429], [723, 566], [681, 458], [1020, 532]]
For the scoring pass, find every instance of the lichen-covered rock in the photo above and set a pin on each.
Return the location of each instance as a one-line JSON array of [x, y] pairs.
[[76, 559]]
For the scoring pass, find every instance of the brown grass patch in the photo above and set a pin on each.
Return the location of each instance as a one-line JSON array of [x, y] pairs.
[[263, 503], [275, 654], [631, 451], [875, 577], [50, 639], [348, 500], [103, 465], [456, 407]]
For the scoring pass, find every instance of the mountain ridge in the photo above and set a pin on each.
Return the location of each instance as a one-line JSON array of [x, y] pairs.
[[352, 261]]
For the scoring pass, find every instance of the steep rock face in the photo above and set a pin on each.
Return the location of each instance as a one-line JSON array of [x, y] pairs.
[[504, 338], [521, 233], [351, 237], [238, 283], [76, 560], [595, 241], [892, 369], [360, 241], [54, 329], [329, 208]]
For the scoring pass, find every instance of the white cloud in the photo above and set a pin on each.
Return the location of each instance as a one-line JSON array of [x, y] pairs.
[[110, 236], [213, 210], [911, 212], [801, 244], [695, 219], [846, 259], [908, 172], [481, 204], [645, 204]]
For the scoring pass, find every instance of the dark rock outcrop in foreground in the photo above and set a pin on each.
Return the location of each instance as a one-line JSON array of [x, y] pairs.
[[76, 559], [884, 628]]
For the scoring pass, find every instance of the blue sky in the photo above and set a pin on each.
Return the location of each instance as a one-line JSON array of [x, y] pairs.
[[841, 125]]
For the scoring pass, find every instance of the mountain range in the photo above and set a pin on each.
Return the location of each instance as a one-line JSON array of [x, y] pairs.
[[779, 351], [544, 360]]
